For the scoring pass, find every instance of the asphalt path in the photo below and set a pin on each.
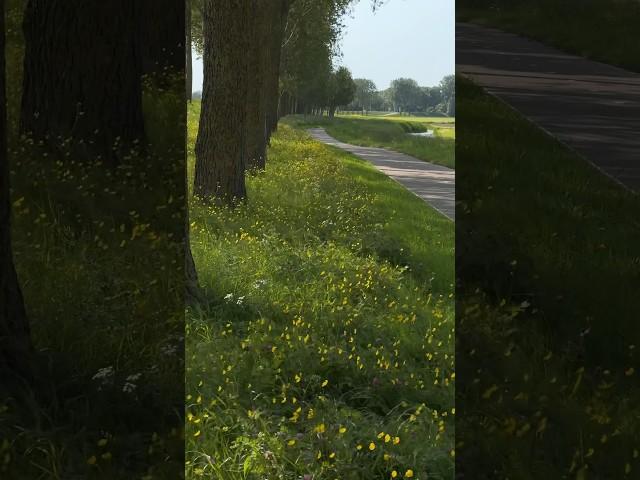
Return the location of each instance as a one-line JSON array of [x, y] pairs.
[[591, 107], [434, 184]]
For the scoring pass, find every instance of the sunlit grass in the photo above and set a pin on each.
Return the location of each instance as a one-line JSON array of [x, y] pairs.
[[388, 133], [327, 347]]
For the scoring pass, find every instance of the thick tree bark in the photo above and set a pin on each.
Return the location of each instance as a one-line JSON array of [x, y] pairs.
[[257, 69], [15, 346], [220, 146], [189, 59], [76, 93], [162, 40], [279, 18]]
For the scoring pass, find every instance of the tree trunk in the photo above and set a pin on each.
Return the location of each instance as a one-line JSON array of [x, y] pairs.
[[15, 346], [77, 94], [279, 19], [189, 59], [220, 155], [256, 115], [162, 40]]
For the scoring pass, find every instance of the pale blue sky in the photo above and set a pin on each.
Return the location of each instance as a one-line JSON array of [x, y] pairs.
[[404, 38]]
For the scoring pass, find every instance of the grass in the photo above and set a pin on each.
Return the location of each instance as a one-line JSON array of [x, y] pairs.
[[547, 307], [399, 117], [325, 349], [99, 255], [596, 29], [389, 133]]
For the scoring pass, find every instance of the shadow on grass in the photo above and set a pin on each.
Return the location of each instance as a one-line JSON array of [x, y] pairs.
[[547, 264]]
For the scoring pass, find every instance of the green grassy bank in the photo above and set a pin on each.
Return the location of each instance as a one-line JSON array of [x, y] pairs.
[[598, 29], [325, 349], [547, 305], [392, 133]]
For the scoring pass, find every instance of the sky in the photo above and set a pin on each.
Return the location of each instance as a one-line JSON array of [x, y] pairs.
[[403, 38]]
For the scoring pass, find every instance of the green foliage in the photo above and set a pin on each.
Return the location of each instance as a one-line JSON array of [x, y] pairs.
[[312, 34], [363, 97], [328, 328], [405, 94], [342, 87], [547, 310]]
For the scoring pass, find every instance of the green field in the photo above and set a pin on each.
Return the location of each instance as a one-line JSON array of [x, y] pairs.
[[401, 118], [392, 133], [547, 308], [326, 345]]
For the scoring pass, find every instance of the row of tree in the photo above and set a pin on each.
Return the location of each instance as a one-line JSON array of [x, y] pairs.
[[262, 59], [405, 95], [83, 80]]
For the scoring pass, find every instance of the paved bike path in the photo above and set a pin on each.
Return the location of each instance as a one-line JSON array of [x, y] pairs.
[[434, 184], [592, 107]]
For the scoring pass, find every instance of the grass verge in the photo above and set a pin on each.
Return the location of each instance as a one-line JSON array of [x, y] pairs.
[[325, 349], [595, 29], [388, 133], [547, 307]]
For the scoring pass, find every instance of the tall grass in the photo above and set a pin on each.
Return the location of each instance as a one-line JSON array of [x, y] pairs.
[[325, 347], [547, 305], [99, 256]]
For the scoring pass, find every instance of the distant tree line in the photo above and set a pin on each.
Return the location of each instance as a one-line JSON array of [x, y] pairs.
[[405, 95]]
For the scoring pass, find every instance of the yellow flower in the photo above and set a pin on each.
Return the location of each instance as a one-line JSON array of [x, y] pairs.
[[197, 434], [396, 440], [342, 429], [394, 474], [325, 383], [409, 473], [387, 437], [359, 447], [372, 446], [319, 428], [291, 443]]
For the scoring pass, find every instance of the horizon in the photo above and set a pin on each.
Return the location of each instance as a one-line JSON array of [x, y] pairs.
[[383, 58]]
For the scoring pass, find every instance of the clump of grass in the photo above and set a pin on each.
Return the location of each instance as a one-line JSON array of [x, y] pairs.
[[547, 308], [325, 348], [392, 133]]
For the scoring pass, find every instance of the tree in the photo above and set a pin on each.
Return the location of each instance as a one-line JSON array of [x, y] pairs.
[[220, 146], [341, 91], [405, 94], [187, 50], [448, 88], [364, 94], [451, 108], [311, 42], [81, 84], [15, 346]]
